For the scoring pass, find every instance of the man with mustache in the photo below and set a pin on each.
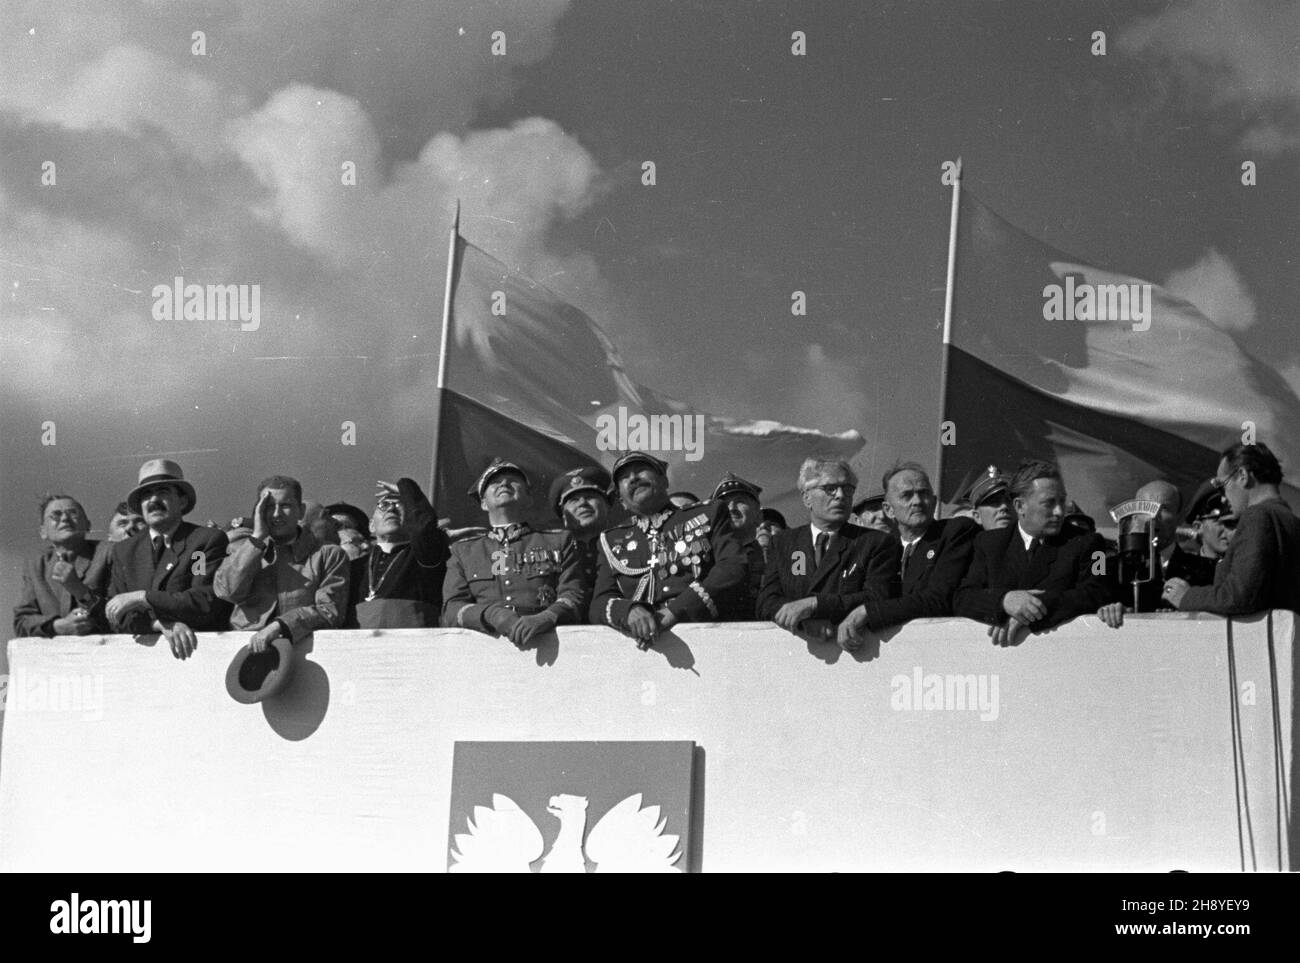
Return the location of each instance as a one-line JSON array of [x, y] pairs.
[[934, 556], [665, 565], [741, 499], [397, 583], [160, 579], [820, 571], [512, 581], [1030, 577], [284, 582], [63, 586]]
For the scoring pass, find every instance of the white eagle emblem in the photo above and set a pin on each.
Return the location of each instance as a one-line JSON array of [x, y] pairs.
[[627, 839]]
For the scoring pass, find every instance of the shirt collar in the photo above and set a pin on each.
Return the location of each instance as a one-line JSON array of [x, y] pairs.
[[654, 522], [166, 537], [1026, 537], [812, 526]]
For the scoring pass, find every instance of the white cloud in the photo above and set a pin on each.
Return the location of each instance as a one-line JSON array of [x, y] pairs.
[[1239, 59], [1214, 286]]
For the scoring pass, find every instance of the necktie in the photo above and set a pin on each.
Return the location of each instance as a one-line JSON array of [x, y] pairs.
[[157, 549], [819, 547], [907, 554], [1033, 548]]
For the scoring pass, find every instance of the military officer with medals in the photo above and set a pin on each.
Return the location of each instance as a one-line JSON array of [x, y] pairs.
[[581, 498], [665, 565], [513, 581]]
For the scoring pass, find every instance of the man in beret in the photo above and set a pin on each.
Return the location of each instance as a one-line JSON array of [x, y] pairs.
[[934, 556], [741, 499], [512, 581], [770, 522], [1261, 569], [666, 564], [818, 572], [581, 497], [869, 512], [1030, 577], [160, 579]]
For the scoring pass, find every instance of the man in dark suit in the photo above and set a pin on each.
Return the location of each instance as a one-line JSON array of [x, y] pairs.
[[1170, 561], [1261, 569], [62, 587], [160, 579], [935, 556], [818, 572], [1029, 577]]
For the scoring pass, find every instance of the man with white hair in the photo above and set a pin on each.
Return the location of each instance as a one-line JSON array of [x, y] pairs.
[[820, 571], [935, 554]]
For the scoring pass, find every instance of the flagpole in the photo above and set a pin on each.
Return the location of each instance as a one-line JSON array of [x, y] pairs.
[[442, 352], [947, 332]]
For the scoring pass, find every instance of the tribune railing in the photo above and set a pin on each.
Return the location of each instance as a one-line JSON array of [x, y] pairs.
[[1164, 745]]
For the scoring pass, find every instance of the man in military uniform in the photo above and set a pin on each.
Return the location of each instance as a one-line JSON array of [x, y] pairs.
[[990, 499], [741, 499], [666, 565], [1212, 519], [513, 581], [581, 498]]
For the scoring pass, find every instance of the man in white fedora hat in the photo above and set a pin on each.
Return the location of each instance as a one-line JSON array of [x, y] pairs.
[[160, 579]]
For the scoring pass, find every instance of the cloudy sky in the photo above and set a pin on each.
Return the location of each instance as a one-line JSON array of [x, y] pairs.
[[775, 173]]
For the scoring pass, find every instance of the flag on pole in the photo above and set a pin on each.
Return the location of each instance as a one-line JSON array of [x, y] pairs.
[[1114, 378], [531, 378]]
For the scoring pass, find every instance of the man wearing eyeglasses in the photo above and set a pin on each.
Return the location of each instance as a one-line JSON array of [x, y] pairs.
[[1261, 569], [666, 564], [63, 585], [512, 581], [935, 556], [817, 573]]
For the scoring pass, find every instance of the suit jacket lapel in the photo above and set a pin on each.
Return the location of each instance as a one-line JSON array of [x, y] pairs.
[[1037, 570], [171, 556], [912, 571], [834, 551]]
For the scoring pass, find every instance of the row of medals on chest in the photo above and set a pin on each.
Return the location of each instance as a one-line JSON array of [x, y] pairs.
[[689, 549], [532, 558]]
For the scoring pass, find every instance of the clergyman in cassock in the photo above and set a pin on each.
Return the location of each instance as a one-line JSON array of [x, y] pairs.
[[397, 582]]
